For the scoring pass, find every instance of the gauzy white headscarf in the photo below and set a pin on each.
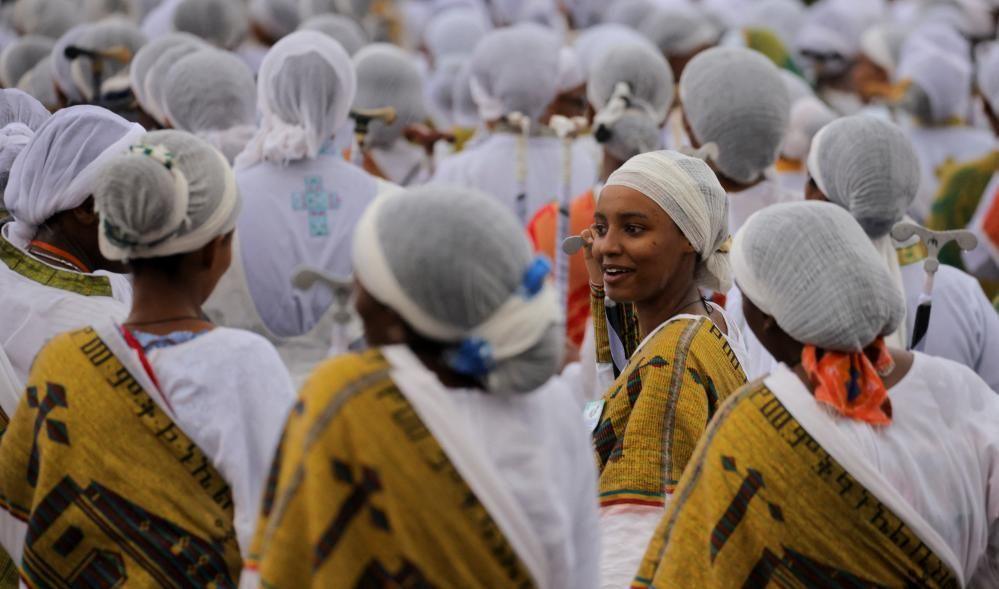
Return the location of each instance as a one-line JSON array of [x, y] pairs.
[[689, 192], [305, 87], [59, 167]]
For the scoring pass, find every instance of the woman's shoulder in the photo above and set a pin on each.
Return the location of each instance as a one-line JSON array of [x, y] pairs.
[[347, 375], [695, 339]]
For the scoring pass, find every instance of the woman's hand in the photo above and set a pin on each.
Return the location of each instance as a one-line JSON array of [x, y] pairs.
[[593, 269]]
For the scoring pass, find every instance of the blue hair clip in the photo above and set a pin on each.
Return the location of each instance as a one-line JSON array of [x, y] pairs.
[[473, 357], [534, 277]]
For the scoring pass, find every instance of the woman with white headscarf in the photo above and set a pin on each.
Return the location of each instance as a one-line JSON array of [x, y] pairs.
[[169, 416], [171, 48], [302, 200], [660, 236], [54, 277], [110, 34], [868, 167], [20, 116], [19, 57], [514, 77], [212, 94], [343, 29], [936, 69], [388, 77], [852, 462], [808, 116], [480, 475], [736, 109]]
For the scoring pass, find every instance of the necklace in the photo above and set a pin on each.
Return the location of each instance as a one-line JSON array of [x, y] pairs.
[[167, 320], [55, 255], [700, 299]]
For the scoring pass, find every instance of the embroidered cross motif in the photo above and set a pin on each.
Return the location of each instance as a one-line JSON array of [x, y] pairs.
[[317, 203], [363, 488], [55, 396], [751, 486]]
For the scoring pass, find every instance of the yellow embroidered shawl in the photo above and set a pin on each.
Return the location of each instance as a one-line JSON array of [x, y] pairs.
[[361, 494], [764, 505], [657, 409], [8, 572], [111, 490]]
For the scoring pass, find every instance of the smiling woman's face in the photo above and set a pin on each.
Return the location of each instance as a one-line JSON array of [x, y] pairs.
[[639, 247]]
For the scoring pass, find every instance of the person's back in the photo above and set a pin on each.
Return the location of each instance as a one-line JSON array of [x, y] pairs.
[[514, 74], [302, 200], [301, 214], [491, 166], [893, 452], [161, 414], [473, 473], [53, 277]]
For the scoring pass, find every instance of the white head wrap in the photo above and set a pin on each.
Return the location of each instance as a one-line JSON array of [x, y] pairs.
[[20, 116], [147, 57], [689, 192], [48, 18], [62, 67], [631, 89], [810, 267], [678, 31], [107, 34], [882, 44], [223, 23], [735, 98], [154, 85], [941, 83], [95, 10], [58, 169], [170, 194], [19, 107], [39, 83], [388, 76], [570, 70], [305, 87], [464, 110], [20, 56], [784, 17], [868, 166], [832, 29], [988, 73], [277, 18], [341, 28], [403, 255], [797, 87], [440, 89], [808, 115], [455, 31], [212, 94], [515, 70], [592, 43], [630, 13]]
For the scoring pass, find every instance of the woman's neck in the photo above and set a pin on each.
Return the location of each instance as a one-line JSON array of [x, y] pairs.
[[163, 304], [670, 303]]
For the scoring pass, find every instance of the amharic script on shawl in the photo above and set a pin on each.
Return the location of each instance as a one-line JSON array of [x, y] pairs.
[[763, 504], [113, 492]]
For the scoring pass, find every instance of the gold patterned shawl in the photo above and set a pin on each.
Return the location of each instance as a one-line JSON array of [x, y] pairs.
[[112, 491], [361, 494], [763, 504]]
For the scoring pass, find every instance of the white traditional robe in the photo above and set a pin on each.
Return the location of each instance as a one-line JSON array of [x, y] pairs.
[[937, 146], [491, 166], [939, 458], [32, 312], [741, 205]]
